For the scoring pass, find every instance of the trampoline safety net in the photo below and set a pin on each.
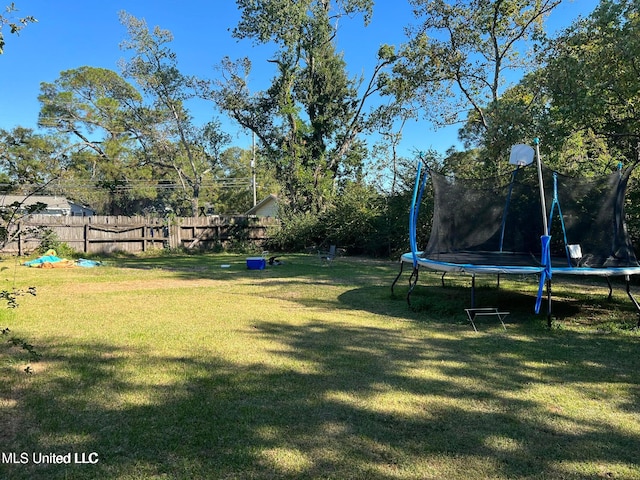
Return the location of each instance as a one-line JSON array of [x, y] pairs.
[[498, 220]]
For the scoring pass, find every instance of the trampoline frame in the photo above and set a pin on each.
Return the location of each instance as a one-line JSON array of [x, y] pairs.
[[545, 270], [473, 270]]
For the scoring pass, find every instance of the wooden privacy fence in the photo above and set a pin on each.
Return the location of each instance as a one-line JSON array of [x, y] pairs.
[[106, 234]]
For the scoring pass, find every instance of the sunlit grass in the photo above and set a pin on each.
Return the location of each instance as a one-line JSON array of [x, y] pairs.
[[173, 367]]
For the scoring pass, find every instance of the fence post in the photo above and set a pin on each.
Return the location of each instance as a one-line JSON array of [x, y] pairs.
[[174, 235], [86, 238]]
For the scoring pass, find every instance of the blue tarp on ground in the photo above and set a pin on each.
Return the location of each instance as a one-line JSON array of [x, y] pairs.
[[51, 260]]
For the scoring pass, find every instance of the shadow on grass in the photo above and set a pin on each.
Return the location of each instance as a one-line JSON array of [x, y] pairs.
[[338, 401], [334, 400], [576, 300], [429, 297]]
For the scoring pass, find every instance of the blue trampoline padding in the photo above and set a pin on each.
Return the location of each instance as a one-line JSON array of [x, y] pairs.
[[516, 270]]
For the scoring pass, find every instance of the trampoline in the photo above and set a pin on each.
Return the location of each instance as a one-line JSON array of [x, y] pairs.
[[534, 221]]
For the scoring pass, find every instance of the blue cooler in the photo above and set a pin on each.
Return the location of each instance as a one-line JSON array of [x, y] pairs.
[[256, 263]]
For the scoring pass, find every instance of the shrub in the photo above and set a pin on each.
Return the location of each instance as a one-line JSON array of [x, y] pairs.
[[297, 232], [49, 240]]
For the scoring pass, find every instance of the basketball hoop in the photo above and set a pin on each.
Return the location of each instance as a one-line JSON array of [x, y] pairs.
[[521, 155]]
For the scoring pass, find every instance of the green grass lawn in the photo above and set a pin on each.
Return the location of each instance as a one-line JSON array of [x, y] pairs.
[[176, 368]]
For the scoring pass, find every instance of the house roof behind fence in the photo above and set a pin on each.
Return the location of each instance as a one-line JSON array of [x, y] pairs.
[[53, 202]]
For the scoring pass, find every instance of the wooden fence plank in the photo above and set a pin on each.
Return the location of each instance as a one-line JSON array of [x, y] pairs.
[[105, 234]]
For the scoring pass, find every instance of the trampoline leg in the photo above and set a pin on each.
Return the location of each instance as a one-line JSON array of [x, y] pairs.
[[635, 302], [473, 291], [413, 280], [398, 277], [498, 285], [442, 278], [610, 289], [549, 303]]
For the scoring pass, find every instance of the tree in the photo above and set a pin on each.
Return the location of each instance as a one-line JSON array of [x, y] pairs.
[[580, 101], [592, 75], [104, 121], [460, 55], [15, 24], [29, 165], [28, 160], [519, 115], [88, 100], [309, 120], [178, 144]]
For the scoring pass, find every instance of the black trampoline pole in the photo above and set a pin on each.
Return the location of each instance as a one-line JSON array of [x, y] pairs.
[[543, 202]]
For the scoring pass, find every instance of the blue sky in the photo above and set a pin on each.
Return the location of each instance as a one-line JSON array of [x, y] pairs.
[[73, 33]]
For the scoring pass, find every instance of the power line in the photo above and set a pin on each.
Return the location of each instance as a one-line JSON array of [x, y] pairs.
[[136, 184]]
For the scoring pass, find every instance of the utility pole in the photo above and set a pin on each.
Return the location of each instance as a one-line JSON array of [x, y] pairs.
[[253, 166]]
